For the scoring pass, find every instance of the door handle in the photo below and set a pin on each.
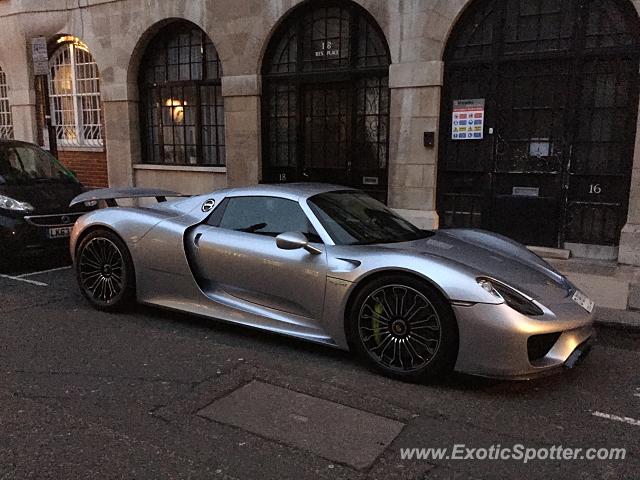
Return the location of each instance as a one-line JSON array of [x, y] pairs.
[[196, 239]]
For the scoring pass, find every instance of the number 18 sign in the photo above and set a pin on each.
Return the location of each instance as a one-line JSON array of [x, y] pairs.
[[468, 119]]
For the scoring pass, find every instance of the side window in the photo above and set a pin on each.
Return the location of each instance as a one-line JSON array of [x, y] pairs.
[[266, 216], [216, 216]]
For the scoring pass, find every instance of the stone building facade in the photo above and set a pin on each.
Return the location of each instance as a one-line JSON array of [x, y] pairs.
[[401, 72]]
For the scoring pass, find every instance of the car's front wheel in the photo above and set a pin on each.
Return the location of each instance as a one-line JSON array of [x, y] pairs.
[[404, 328], [104, 270]]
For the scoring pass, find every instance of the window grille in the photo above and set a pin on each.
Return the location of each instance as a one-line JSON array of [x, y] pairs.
[[74, 92], [6, 123], [182, 111]]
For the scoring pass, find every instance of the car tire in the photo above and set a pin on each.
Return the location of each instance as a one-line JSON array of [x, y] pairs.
[[403, 328], [105, 271]]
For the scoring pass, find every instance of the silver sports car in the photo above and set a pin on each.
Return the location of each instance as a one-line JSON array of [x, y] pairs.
[[332, 265]]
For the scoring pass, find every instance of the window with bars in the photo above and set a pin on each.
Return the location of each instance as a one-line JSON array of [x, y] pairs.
[[508, 29], [74, 93], [6, 123], [182, 112]]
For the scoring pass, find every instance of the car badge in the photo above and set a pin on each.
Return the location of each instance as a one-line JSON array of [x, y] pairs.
[[208, 205]]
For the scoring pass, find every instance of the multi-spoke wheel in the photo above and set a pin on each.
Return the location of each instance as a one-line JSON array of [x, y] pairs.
[[404, 328], [104, 270]]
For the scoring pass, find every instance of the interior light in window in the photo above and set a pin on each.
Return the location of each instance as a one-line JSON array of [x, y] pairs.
[[177, 110]]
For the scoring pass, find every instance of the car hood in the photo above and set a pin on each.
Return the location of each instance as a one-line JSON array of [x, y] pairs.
[[497, 257], [46, 197]]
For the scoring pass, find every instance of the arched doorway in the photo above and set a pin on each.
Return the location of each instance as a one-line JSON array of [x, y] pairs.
[[558, 82], [326, 99]]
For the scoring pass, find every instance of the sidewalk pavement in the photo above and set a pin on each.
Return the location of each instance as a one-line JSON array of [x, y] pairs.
[[614, 288]]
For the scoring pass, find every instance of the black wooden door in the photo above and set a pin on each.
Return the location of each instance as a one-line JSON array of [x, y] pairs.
[[560, 84], [530, 154], [327, 133], [465, 168], [598, 180]]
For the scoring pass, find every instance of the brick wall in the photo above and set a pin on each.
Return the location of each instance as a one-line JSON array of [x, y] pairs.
[[90, 167]]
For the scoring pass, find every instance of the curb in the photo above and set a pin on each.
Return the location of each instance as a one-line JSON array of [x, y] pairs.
[[610, 317]]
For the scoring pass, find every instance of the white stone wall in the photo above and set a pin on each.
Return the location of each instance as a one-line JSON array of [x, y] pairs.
[[117, 34], [118, 31]]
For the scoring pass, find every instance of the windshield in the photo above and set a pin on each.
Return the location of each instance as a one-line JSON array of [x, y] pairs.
[[21, 164], [354, 218]]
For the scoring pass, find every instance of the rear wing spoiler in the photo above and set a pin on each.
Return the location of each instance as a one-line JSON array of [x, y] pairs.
[[110, 195]]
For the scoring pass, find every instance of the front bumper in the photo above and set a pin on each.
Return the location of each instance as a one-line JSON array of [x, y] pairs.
[[20, 237], [494, 339]]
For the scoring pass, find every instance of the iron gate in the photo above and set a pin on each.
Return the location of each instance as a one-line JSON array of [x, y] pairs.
[[560, 83]]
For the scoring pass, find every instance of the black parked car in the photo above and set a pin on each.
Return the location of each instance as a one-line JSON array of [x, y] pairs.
[[35, 192]]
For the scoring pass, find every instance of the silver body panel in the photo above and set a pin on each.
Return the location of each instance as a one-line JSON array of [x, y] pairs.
[[183, 264]]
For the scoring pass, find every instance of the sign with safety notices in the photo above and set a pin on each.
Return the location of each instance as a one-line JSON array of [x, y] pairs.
[[468, 119]]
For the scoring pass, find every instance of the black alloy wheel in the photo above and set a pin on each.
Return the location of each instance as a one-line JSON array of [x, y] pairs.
[[404, 328], [104, 270]]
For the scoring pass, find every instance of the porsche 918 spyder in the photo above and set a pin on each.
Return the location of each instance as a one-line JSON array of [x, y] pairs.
[[332, 265]]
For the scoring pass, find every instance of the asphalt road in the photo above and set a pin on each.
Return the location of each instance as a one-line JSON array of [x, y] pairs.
[[155, 394]]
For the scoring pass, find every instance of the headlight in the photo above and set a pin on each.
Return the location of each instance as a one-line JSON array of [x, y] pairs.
[[513, 298], [8, 203], [486, 285]]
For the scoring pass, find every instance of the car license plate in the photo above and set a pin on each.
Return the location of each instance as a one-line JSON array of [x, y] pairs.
[[584, 301], [59, 232]]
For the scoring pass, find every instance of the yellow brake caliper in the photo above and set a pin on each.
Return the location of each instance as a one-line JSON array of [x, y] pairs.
[[376, 323]]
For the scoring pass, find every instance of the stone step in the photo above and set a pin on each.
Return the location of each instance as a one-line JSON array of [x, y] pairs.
[[546, 252]]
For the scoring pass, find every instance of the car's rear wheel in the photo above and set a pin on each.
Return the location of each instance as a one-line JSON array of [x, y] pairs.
[[104, 270], [404, 328]]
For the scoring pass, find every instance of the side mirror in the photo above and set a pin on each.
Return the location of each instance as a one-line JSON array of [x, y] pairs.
[[294, 241]]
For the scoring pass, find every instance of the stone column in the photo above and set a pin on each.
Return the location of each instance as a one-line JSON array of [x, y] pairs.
[[242, 129], [22, 93], [23, 115], [122, 132], [415, 109], [630, 239]]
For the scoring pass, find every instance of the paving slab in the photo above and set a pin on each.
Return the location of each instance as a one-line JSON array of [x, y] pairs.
[[605, 291], [331, 430]]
